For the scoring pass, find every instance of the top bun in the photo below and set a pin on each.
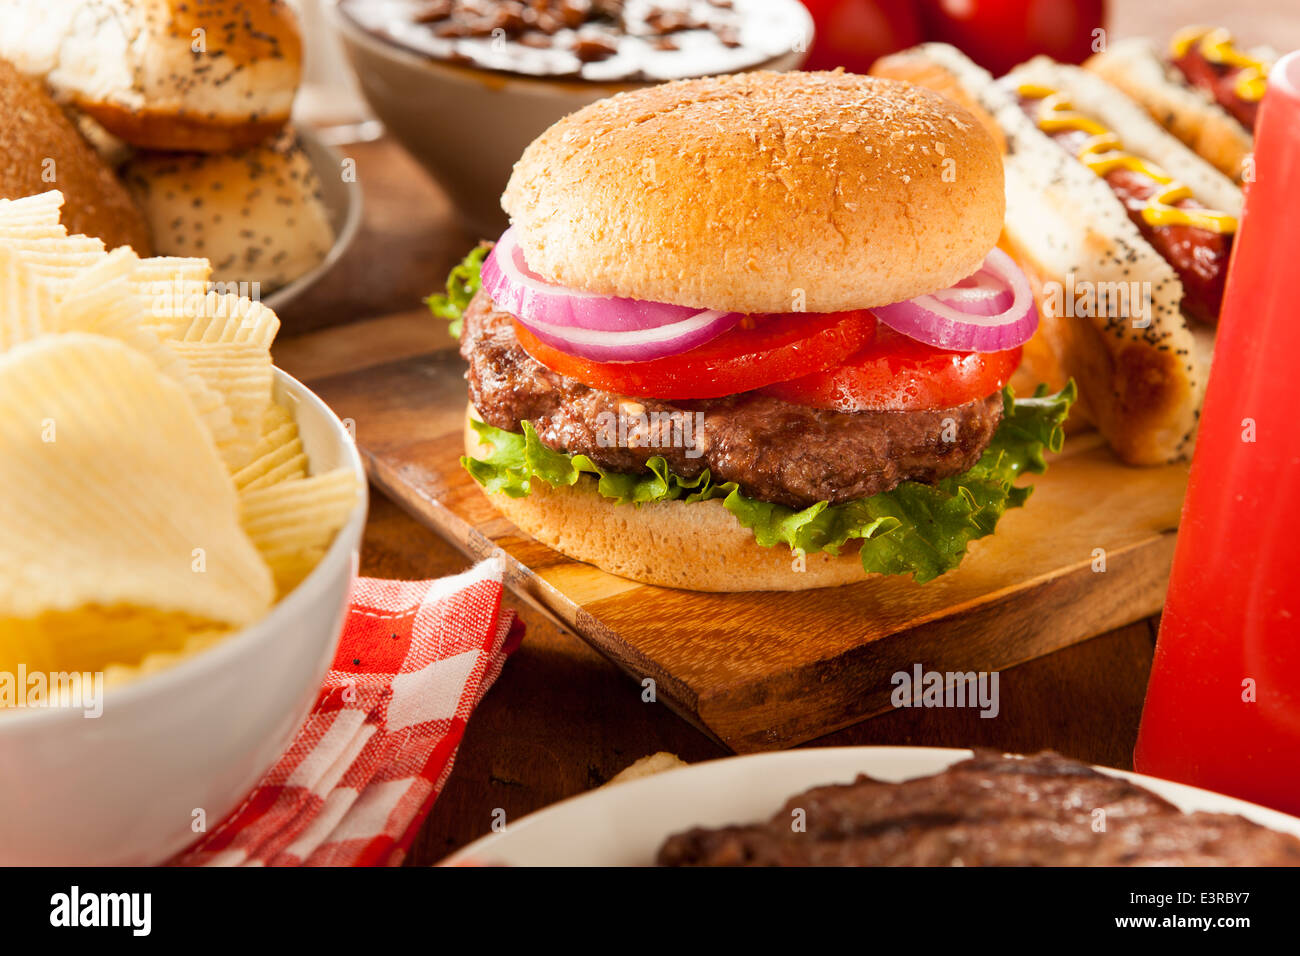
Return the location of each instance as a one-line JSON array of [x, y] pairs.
[[761, 192], [207, 75]]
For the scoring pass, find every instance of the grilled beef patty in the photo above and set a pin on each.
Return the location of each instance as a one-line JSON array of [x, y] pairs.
[[991, 810], [776, 451]]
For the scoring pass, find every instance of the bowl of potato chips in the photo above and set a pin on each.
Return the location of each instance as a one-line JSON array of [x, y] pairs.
[[179, 529]]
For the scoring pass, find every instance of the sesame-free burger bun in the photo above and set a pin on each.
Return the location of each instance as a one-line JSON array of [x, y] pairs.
[[761, 192], [698, 546]]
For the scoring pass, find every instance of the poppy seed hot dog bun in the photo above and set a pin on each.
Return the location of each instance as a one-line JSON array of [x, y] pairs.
[[163, 74]]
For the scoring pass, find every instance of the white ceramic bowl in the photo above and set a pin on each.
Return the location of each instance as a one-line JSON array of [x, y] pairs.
[[123, 788]]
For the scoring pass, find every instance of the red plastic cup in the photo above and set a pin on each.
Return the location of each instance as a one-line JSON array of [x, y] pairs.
[[1223, 706]]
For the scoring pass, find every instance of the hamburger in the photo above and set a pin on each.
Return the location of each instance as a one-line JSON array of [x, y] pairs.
[[752, 332]]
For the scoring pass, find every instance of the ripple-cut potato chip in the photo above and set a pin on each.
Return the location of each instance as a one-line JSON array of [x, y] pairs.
[[237, 371], [58, 261], [159, 659], [292, 523], [94, 638], [26, 309], [32, 217], [278, 454], [30, 226], [103, 300], [114, 494], [174, 288], [226, 317]]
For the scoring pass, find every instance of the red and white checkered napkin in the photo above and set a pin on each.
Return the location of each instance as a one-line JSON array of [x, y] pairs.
[[354, 786]]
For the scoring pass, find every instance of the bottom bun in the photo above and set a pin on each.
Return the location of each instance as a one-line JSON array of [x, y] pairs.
[[697, 547], [174, 131]]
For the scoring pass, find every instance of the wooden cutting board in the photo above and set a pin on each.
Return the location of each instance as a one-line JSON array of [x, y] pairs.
[[766, 670]]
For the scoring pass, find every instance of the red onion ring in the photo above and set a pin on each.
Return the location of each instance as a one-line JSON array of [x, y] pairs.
[[599, 327], [518, 290], [991, 311], [640, 345], [981, 294]]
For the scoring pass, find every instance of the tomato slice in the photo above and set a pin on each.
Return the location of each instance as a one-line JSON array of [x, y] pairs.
[[897, 372], [762, 350]]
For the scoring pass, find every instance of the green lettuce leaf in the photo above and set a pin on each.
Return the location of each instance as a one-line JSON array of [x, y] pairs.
[[462, 284], [915, 529]]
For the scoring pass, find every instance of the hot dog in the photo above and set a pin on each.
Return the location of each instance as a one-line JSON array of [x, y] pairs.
[[1201, 87], [1101, 199], [1193, 238], [1208, 61]]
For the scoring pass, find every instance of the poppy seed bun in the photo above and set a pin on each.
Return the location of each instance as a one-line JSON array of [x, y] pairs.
[[208, 75], [698, 546], [257, 214], [761, 192]]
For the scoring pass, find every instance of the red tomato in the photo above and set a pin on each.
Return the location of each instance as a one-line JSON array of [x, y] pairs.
[[998, 34], [772, 349], [897, 372], [855, 33]]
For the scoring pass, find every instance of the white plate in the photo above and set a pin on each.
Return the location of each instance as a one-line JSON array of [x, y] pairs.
[[342, 205], [624, 825]]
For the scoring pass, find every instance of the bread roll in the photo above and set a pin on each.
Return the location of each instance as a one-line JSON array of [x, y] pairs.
[[761, 192], [257, 214], [40, 149], [208, 75]]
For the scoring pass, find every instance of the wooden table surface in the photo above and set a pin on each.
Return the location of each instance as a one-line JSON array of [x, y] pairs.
[[561, 719]]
